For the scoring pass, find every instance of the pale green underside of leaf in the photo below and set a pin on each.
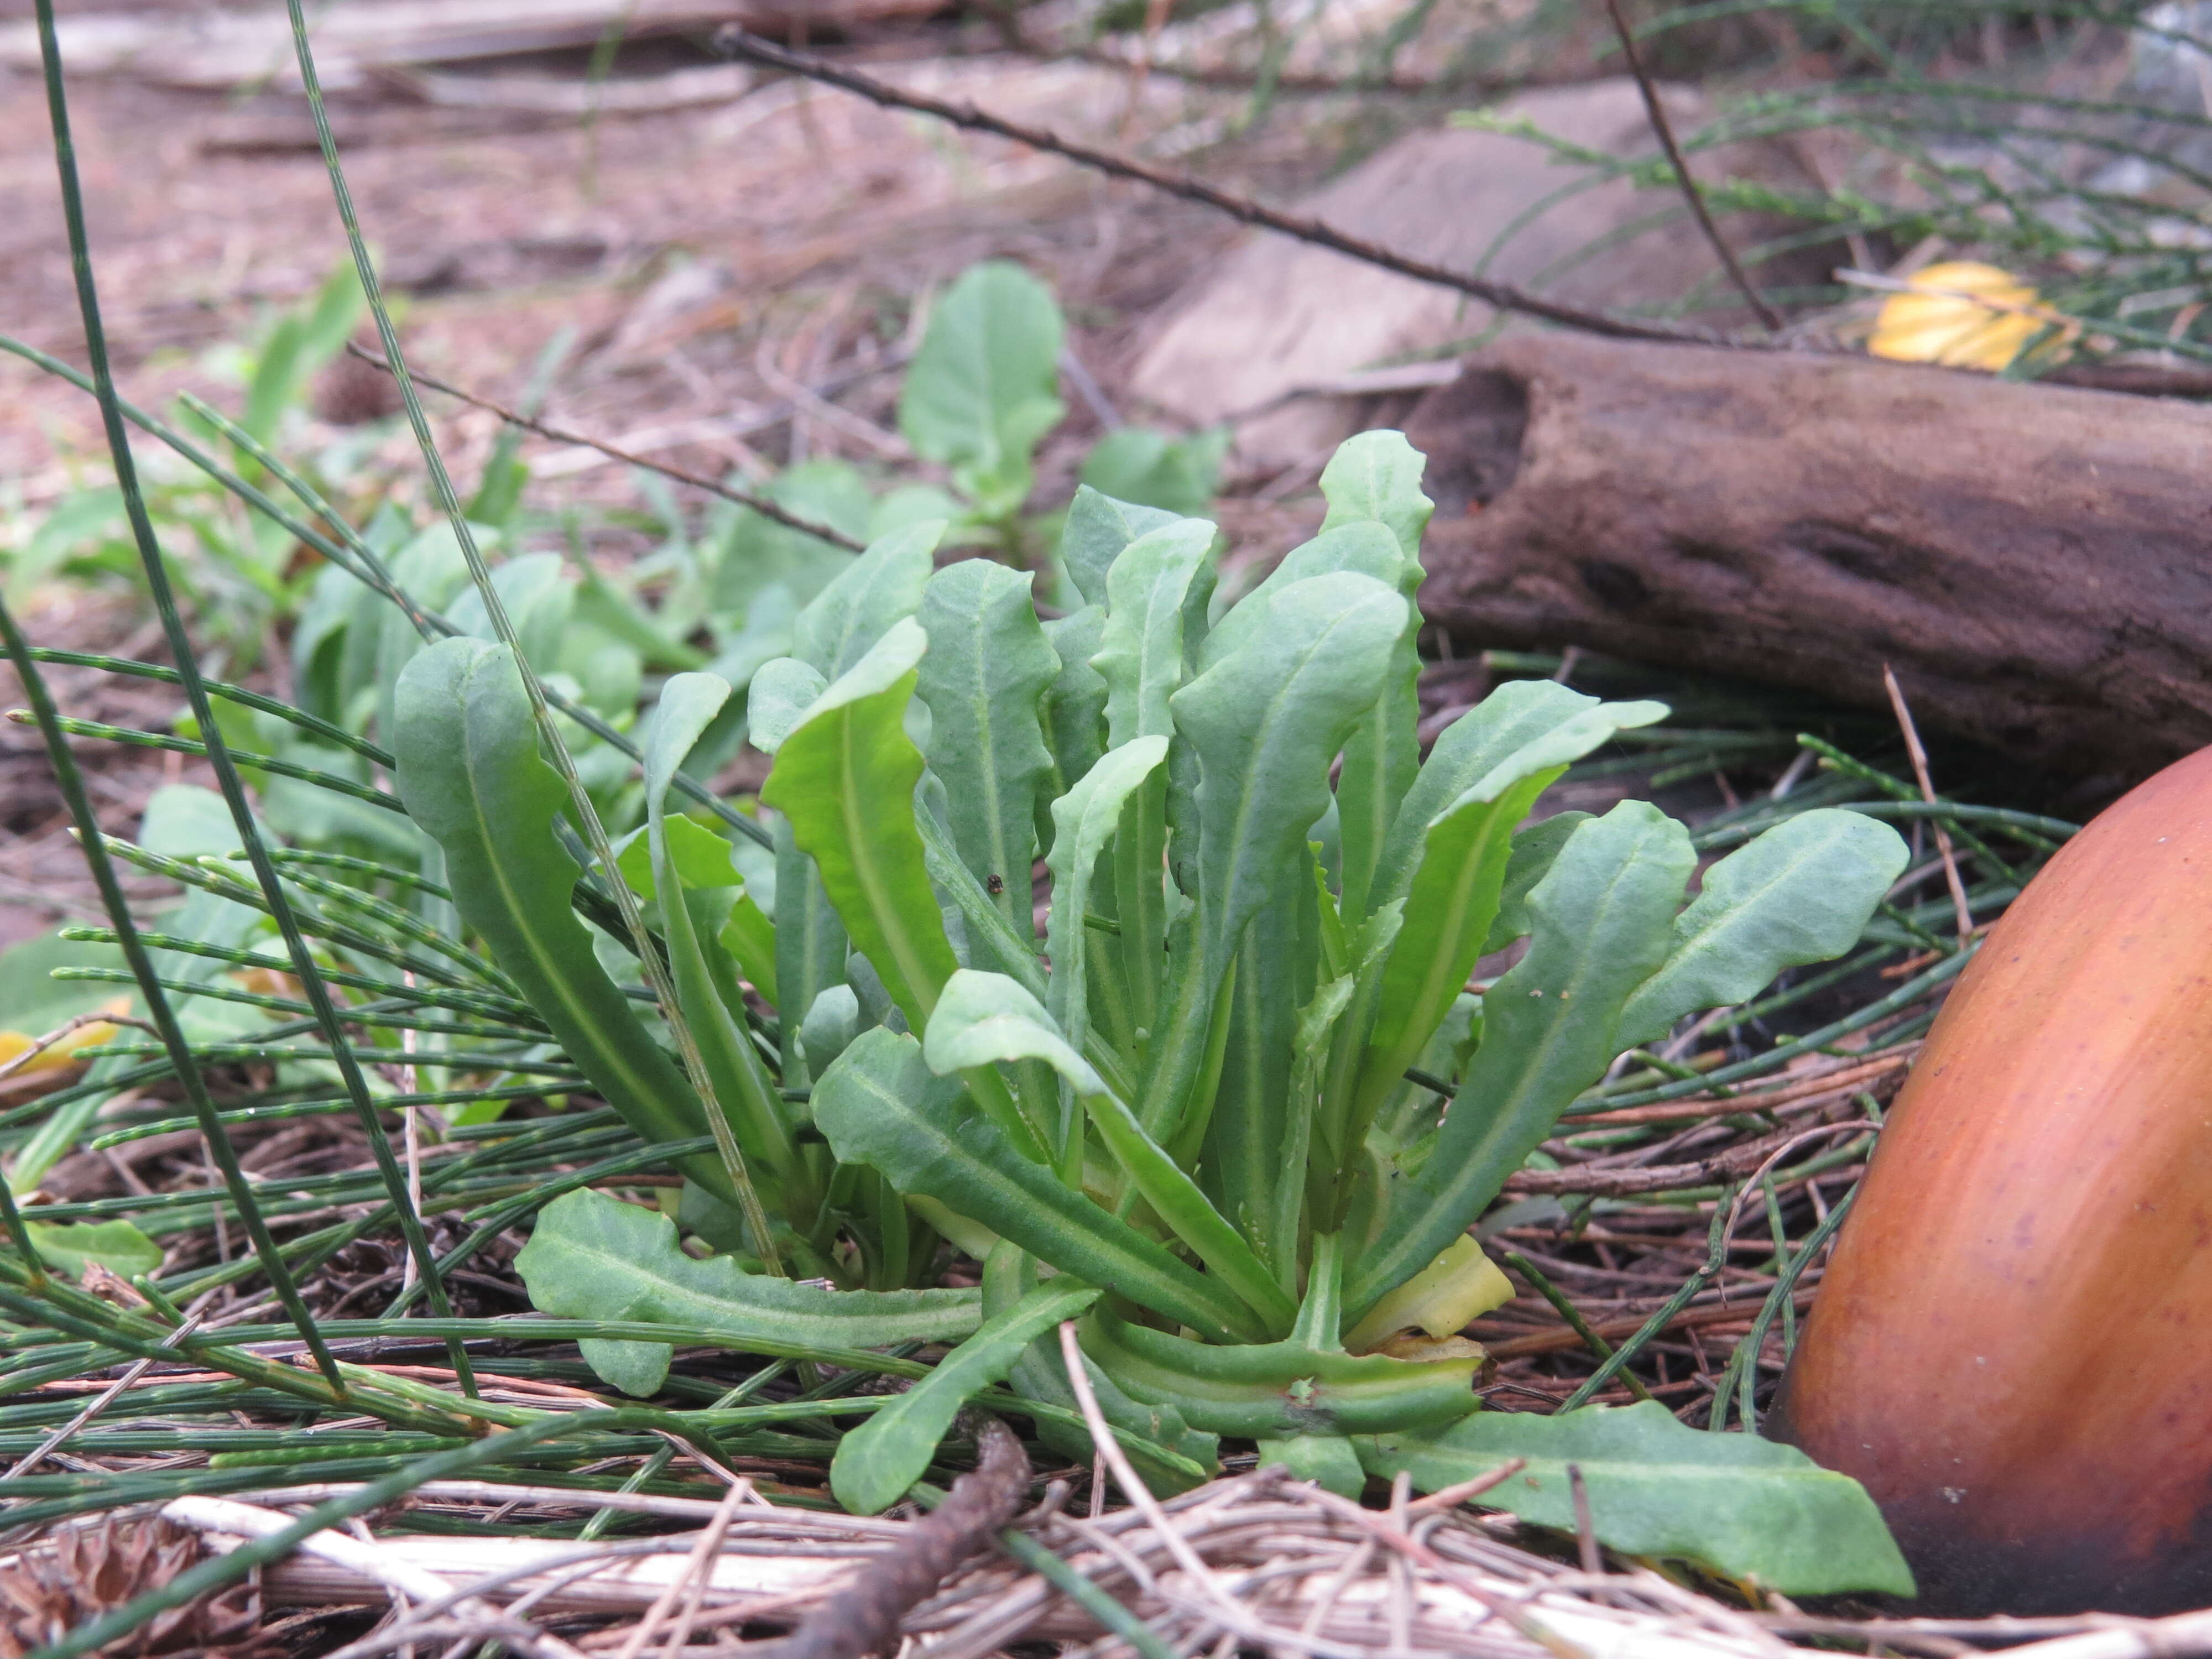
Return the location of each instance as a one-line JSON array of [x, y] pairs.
[[595, 1257]]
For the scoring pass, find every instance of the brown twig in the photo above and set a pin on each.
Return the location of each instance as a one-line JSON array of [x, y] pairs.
[[1503, 295], [760, 504], [1663, 130], [1913, 747], [864, 1616]]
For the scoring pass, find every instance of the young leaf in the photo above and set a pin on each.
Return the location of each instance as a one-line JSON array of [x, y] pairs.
[[983, 387], [843, 621], [877, 1462], [844, 780], [1096, 529], [1140, 654], [1461, 1284], [1327, 1460], [1799, 893], [1522, 727], [1604, 914], [69, 1247], [1075, 703], [1534, 847], [984, 1018], [810, 947], [471, 776], [881, 1105], [782, 690], [1735, 1504], [1084, 822], [1266, 722], [1367, 549], [1377, 477], [741, 1084], [1137, 464], [594, 1257], [984, 679], [1449, 911]]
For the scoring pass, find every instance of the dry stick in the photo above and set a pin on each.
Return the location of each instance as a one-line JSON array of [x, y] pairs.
[[100, 1403], [227, 1516], [760, 504], [1503, 295], [1663, 130], [1928, 793], [1140, 1495], [17, 1061], [1585, 1528], [863, 1617], [702, 1554]]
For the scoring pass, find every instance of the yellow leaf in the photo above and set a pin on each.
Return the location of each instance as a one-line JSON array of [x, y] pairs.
[[1964, 315], [1459, 1284], [63, 1052]]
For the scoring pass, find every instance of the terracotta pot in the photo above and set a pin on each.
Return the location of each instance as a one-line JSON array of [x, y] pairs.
[[2012, 1344]]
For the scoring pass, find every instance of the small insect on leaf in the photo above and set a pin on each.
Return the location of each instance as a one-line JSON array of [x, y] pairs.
[[994, 884]]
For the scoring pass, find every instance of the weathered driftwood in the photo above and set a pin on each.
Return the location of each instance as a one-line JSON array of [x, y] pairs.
[[2035, 561]]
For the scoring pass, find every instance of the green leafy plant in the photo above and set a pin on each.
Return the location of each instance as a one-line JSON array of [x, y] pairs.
[[1189, 1100], [234, 569]]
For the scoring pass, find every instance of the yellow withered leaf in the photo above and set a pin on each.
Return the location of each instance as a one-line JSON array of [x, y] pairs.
[[63, 1052], [1964, 315]]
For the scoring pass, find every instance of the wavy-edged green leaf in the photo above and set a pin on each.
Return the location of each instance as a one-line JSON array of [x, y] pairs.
[[1366, 549], [1075, 703], [1266, 722], [984, 679], [1799, 893], [1521, 728], [984, 384], [741, 1084], [1377, 477], [811, 946], [781, 691], [701, 859], [749, 937], [1330, 1461], [1084, 822], [1534, 847], [1449, 911], [471, 775], [879, 1462], [1276, 1388], [983, 1017], [842, 622], [1140, 654], [881, 1105], [591, 1256], [71, 1247], [1604, 913], [1735, 1504], [1170, 1454], [1097, 527], [844, 780]]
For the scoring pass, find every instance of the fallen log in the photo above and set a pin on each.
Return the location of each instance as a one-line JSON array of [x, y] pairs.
[[2034, 561]]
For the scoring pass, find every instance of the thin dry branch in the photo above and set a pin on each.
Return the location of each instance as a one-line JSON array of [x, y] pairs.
[[760, 504], [1503, 295], [1663, 130]]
